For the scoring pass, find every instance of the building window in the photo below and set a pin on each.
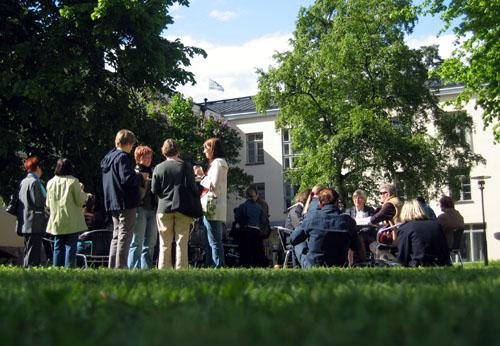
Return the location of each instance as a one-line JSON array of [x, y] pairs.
[[290, 192], [289, 160], [472, 244], [465, 190], [261, 189], [255, 148]]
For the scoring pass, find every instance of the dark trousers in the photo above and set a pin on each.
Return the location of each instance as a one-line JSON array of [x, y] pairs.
[[251, 248], [123, 227], [65, 250], [32, 250]]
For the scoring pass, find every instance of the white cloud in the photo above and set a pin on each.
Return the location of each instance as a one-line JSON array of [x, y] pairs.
[[233, 67], [445, 43], [223, 16]]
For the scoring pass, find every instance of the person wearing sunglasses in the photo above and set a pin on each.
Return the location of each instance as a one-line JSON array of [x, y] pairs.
[[387, 215]]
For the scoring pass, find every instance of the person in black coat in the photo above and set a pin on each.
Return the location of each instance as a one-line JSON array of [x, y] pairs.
[[121, 195], [421, 242], [250, 217]]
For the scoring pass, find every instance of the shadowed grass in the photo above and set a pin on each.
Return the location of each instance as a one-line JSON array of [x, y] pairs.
[[376, 306]]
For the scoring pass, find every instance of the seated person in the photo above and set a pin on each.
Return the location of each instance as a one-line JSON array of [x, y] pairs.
[[387, 215], [450, 219], [325, 236], [250, 217], [294, 216], [361, 213], [94, 218], [421, 242]]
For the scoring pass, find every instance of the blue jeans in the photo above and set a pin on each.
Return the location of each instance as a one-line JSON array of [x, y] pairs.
[[65, 250], [301, 253], [214, 235], [145, 234]]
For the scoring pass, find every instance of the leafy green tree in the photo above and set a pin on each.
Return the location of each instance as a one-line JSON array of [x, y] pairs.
[[357, 100], [476, 59], [72, 73]]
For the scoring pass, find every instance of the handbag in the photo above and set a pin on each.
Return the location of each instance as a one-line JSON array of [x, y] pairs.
[[209, 203], [185, 200], [13, 204]]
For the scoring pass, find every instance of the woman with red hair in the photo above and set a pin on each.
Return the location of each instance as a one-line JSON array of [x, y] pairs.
[[31, 219], [145, 232]]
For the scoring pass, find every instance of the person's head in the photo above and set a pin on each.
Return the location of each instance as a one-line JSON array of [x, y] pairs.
[[33, 165], [125, 140], [251, 193], [359, 199], [412, 210], [90, 203], [169, 148], [212, 148], [328, 196], [446, 202], [301, 197], [317, 189], [63, 167], [143, 155], [387, 191]]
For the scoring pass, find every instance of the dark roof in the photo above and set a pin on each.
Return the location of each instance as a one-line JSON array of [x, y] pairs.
[[237, 105], [231, 106], [245, 104]]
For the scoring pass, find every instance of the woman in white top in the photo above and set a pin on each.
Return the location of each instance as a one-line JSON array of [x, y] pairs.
[[215, 181]]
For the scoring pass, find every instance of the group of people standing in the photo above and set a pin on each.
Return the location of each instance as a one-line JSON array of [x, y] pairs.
[[139, 199], [141, 202], [413, 235]]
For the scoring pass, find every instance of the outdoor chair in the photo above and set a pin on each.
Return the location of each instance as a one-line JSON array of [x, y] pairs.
[[93, 247], [457, 245], [290, 257]]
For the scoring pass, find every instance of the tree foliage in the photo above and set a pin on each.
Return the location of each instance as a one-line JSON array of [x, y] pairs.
[[476, 59], [357, 100], [72, 73]]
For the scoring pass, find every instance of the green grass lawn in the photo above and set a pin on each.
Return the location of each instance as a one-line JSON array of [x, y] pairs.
[[378, 306]]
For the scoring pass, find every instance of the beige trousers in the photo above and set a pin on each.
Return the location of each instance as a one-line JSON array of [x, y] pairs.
[[173, 227]]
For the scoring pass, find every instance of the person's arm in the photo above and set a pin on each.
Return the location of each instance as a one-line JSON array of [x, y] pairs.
[[298, 236], [155, 182], [127, 174], [212, 178], [36, 196], [387, 212], [404, 249], [190, 179], [79, 196]]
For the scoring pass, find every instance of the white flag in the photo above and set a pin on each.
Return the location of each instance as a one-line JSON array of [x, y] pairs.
[[214, 85]]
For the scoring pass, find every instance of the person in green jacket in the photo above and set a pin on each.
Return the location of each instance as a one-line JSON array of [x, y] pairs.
[[65, 199]]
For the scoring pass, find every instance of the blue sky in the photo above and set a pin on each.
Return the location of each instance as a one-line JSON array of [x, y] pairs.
[[241, 35]]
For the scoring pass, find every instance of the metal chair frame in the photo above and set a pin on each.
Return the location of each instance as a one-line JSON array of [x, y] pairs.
[[287, 249], [457, 245]]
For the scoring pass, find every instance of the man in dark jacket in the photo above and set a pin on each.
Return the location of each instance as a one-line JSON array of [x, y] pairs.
[[325, 236], [250, 217], [121, 195]]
